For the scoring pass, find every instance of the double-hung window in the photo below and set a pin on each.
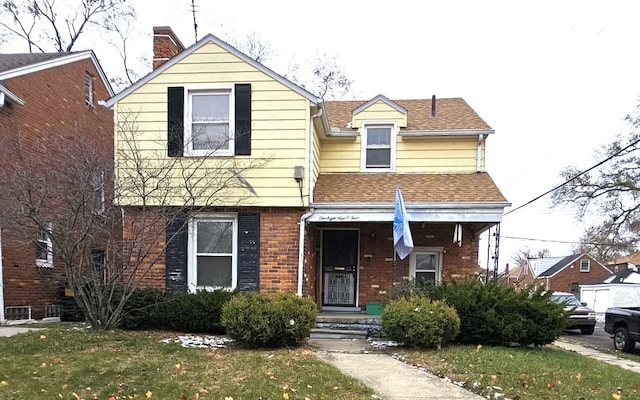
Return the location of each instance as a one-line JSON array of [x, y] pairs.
[[212, 256], [425, 264], [44, 246], [585, 265], [378, 147], [210, 117]]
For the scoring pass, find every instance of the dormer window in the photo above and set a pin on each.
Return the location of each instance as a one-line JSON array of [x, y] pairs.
[[378, 147]]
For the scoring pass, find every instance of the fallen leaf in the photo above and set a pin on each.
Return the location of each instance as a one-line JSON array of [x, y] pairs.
[[479, 347], [285, 396], [59, 395], [3, 383], [57, 360], [615, 396], [578, 376], [149, 394], [113, 397], [197, 396], [64, 386], [178, 365], [494, 378], [183, 397], [43, 365], [43, 337], [228, 398], [75, 395]]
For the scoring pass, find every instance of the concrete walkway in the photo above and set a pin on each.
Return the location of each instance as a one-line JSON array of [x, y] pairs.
[[390, 378], [6, 331], [609, 358]]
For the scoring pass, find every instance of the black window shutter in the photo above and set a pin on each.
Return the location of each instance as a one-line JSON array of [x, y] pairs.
[[243, 119], [249, 251], [175, 121], [176, 253]]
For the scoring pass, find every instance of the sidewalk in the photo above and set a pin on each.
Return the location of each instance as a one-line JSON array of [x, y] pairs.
[[609, 358], [390, 378], [6, 331]]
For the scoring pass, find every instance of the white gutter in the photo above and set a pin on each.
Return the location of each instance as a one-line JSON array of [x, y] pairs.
[[2, 321], [305, 216], [479, 156]]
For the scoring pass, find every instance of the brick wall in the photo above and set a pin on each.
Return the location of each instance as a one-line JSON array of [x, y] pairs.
[[562, 281], [279, 238], [165, 45], [377, 268], [53, 120]]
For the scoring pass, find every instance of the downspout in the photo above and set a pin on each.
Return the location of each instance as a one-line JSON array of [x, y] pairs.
[[2, 321], [479, 156], [305, 216]]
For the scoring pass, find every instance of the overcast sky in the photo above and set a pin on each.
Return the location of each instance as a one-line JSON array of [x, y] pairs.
[[553, 78]]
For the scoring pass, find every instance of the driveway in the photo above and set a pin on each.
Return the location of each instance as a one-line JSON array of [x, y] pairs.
[[600, 338]]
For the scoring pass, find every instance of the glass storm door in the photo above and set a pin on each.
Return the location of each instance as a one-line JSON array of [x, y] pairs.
[[339, 267]]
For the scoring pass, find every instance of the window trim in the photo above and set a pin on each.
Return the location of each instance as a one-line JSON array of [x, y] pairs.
[[188, 119], [192, 250], [363, 145], [439, 252], [48, 229], [88, 89], [588, 265]]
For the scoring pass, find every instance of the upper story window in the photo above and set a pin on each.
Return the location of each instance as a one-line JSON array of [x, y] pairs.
[[378, 148], [96, 183], [44, 246], [88, 89], [210, 122], [585, 265]]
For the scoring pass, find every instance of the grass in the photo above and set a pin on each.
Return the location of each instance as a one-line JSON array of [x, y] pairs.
[[65, 363], [528, 373]]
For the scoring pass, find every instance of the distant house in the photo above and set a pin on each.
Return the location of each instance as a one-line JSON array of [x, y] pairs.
[[623, 263], [520, 276], [47, 102], [566, 274]]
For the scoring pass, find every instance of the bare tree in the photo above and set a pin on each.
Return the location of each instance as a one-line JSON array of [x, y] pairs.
[[601, 245], [109, 237], [609, 193], [521, 257]]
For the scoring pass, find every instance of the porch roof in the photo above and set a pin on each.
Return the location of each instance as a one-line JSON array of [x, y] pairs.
[[463, 197]]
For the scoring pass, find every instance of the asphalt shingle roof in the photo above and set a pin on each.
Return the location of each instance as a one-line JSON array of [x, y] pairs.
[[563, 262], [451, 113], [13, 61], [477, 187]]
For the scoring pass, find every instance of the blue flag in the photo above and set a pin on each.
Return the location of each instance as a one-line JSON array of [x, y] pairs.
[[402, 240]]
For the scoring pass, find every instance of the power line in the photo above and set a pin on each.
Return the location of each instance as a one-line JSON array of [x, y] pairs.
[[574, 178], [562, 241]]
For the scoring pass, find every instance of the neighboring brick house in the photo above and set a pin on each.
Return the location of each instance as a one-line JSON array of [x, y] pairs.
[[317, 218], [47, 102], [566, 274], [520, 276]]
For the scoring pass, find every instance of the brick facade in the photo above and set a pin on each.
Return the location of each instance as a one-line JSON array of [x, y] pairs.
[[562, 281], [54, 117], [165, 45]]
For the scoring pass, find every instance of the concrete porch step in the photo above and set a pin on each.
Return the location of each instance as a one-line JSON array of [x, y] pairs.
[[325, 333]]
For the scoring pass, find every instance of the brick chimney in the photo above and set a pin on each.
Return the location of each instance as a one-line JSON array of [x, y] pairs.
[[165, 45]]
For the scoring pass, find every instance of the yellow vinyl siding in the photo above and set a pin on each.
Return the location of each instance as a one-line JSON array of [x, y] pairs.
[[279, 127], [428, 155], [379, 111]]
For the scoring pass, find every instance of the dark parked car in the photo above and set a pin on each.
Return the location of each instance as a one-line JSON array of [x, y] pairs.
[[582, 317]]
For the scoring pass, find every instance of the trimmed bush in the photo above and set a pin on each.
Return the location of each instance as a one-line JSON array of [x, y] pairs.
[[149, 308], [419, 322], [271, 320], [495, 314], [408, 288], [195, 312]]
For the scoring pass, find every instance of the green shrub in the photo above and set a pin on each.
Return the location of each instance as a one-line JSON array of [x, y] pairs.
[[140, 311], [418, 322], [149, 308], [408, 288], [272, 320], [495, 314]]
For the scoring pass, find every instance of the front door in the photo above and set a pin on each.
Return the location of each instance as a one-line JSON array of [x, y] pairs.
[[339, 267]]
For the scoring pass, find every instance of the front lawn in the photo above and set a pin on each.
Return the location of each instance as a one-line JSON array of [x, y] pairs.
[[65, 362], [527, 373]]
